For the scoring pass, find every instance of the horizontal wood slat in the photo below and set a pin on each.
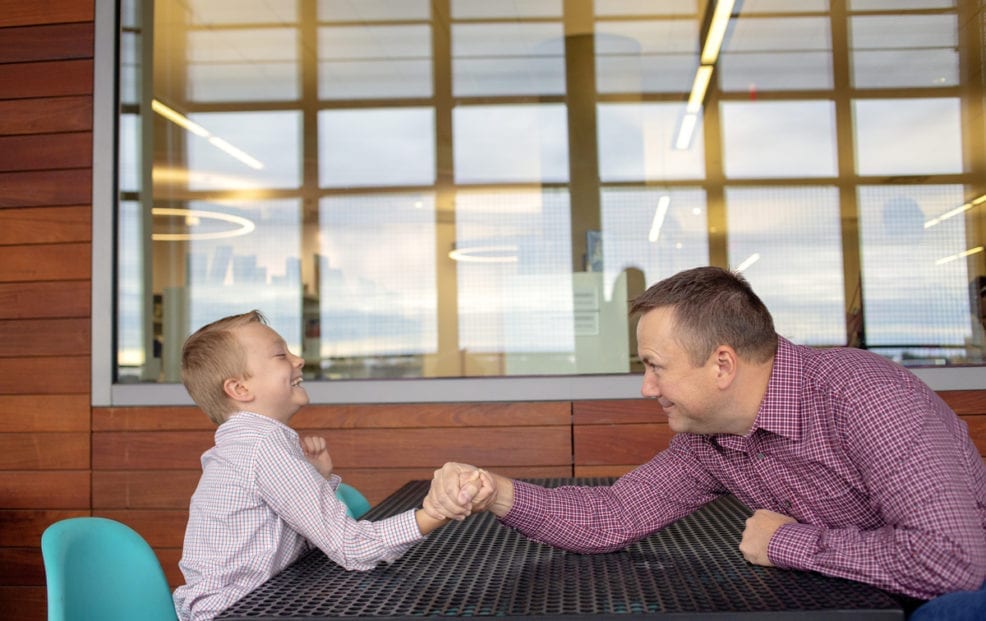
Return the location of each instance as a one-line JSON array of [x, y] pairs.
[[143, 489], [46, 79], [65, 375], [44, 451], [45, 225], [51, 413], [46, 188], [45, 151], [617, 411], [44, 262], [149, 418], [46, 42], [24, 527], [965, 401], [45, 115], [527, 414], [62, 298], [22, 12], [62, 337], [634, 443], [365, 416], [20, 567], [380, 448], [47, 490], [24, 603]]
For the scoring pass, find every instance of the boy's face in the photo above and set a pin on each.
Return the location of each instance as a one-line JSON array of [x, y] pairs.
[[274, 387]]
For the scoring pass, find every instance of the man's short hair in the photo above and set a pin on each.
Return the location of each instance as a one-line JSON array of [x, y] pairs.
[[212, 355], [712, 307]]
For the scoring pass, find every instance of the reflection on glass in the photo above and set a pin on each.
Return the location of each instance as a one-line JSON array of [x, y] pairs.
[[376, 147], [130, 329], [915, 277], [777, 54], [510, 143], [508, 59], [658, 231], [357, 61], [645, 56], [234, 275], [769, 138], [245, 150], [636, 141], [377, 285], [904, 50], [479, 191], [516, 310], [908, 136], [249, 63], [788, 243]]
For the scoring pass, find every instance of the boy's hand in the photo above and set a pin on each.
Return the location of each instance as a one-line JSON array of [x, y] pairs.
[[457, 490], [317, 454]]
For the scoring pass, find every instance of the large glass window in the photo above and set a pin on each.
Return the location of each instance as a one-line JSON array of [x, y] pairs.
[[475, 188]]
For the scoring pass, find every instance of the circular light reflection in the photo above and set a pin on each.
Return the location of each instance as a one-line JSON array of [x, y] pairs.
[[245, 226]]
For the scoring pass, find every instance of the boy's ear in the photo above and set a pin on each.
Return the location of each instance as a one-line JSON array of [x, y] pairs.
[[236, 390]]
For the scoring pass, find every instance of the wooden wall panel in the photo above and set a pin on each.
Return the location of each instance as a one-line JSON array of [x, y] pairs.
[[45, 225], [45, 115], [47, 79], [23, 528], [44, 451], [32, 43], [45, 262], [46, 151], [41, 489], [64, 337], [32, 12], [44, 376], [46, 188], [55, 413], [63, 298]]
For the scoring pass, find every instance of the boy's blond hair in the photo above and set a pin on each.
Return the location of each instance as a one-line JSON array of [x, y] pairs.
[[212, 355]]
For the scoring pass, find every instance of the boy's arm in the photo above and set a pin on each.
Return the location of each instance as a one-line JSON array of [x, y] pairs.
[[426, 523], [317, 454]]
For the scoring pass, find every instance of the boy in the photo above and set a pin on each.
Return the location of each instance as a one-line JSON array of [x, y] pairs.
[[265, 495]]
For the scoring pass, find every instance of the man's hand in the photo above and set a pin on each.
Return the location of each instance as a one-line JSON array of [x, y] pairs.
[[317, 454], [760, 527], [457, 490]]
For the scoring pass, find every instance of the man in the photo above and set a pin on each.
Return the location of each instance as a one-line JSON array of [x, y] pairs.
[[854, 467]]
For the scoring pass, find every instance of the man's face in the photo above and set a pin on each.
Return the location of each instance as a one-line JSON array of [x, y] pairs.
[[688, 394], [275, 373]]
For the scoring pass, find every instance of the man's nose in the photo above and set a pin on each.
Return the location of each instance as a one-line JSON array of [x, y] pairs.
[[648, 387]]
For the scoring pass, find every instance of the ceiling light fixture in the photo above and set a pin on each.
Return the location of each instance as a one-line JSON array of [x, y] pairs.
[[714, 37], [660, 213], [485, 254], [953, 257], [954, 212], [184, 122]]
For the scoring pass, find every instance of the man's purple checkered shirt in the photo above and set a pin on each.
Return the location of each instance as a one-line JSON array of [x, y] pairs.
[[880, 473]]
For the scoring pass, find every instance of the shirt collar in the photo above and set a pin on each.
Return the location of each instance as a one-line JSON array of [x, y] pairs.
[[780, 409]]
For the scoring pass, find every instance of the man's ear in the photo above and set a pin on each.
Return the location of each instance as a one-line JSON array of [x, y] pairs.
[[236, 390], [726, 363]]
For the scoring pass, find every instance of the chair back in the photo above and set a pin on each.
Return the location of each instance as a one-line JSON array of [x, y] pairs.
[[356, 503], [100, 569]]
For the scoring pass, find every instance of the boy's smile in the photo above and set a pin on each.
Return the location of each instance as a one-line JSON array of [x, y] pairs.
[[274, 384]]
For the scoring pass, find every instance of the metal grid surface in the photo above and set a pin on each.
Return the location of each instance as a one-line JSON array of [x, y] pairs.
[[478, 568]]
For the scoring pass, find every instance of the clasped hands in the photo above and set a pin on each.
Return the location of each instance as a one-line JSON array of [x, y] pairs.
[[459, 490]]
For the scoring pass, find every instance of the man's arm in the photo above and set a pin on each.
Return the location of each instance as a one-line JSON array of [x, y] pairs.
[[924, 485]]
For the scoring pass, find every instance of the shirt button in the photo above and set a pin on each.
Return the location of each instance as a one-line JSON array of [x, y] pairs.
[[760, 456]]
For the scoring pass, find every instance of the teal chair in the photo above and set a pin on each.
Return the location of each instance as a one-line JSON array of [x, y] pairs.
[[356, 503], [101, 570]]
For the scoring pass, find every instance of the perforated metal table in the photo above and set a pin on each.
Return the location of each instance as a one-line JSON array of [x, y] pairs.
[[479, 568]]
